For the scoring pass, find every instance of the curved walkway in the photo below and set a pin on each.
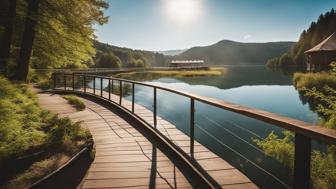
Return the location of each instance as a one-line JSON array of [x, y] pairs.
[[126, 159]]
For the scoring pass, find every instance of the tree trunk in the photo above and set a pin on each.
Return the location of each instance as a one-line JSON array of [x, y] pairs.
[[27, 41], [5, 43]]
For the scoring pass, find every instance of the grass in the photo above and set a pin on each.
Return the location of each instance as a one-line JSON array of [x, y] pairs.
[[72, 99], [317, 80], [25, 129], [174, 73]]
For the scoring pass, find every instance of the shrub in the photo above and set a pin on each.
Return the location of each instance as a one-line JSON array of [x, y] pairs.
[[75, 101]]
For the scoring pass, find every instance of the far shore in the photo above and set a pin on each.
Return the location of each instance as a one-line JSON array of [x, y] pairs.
[[213, 71]]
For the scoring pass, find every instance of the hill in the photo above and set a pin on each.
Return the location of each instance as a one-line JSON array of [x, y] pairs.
[[113, 56], [228, 52], [318, 31]]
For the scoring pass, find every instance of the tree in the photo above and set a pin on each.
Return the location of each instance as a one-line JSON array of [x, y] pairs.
[[8, 17], [109, 60], [27, 40], [63, 34]]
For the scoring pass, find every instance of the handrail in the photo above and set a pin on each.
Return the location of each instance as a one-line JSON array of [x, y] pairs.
[[304, 132], [312, 131]]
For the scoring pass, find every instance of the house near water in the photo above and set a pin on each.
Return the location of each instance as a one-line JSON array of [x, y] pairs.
[[320, 56], [189, 64]]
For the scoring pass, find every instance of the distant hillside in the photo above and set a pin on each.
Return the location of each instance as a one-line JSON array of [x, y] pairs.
[[228, 52], [172, 52], [113, 56], [318, 31]]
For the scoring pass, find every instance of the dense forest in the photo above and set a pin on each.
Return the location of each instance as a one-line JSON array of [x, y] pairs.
[[114, 57], [318, 31], [228, 52], [44, 34]]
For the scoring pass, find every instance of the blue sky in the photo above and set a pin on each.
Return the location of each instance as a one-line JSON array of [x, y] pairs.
[[153, 24]]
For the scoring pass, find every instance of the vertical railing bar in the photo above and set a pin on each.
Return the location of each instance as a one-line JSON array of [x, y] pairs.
[[302, 162], [54, 76], [112, 86], [133, 85], [73, 81], [109, 89], [192, 126], [120, 91], [154, 108], [101, 86], [84, 83], [94, 85], [65, 82]]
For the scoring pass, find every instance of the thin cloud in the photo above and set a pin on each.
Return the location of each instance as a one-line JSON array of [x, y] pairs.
[[247, 36]]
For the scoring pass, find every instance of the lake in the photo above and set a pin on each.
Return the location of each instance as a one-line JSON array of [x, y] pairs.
[[228, 134]]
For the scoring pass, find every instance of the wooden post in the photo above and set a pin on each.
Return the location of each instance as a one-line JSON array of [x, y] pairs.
[[192, 126], [120, 92], [154, 107], [133, 85], [109, 84], [302, 162]]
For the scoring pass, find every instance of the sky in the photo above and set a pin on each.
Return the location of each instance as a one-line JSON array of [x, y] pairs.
[[179, 24]]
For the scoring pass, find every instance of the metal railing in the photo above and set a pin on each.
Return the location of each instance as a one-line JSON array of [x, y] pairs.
[[304, 132]]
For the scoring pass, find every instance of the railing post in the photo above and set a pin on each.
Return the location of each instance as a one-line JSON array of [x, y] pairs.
[[133, 85], [120, 91], [73, 81], [302, 162], [192, 126], [84, 83], [94, 85], [112, 87], [64, 77], [54, 76], [154, 107], [109, 89], [101, 86]]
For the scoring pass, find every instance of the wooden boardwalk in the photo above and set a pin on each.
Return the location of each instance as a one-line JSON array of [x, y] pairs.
[[126, 159]]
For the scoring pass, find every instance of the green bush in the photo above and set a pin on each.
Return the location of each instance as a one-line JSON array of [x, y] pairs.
[[24, 126], [323, 165], [75, 101]]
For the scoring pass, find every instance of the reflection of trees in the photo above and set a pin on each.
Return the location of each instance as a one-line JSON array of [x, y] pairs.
[[126, 88]]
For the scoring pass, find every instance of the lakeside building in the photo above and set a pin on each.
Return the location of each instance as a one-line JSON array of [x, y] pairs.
[[320, 56], [189, 64]]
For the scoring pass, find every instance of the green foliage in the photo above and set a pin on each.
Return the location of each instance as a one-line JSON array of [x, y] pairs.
[[310, 80], [323, 165], [108, 60], [320, 90], [318, 31], [281, 149], [64, 35], [75, 101], [129, 57], [24, 126]]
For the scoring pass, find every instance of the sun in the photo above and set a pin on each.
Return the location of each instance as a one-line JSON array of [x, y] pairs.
[[182, 10]]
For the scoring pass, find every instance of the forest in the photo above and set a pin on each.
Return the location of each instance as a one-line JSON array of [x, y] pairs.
[[47, 34], [317, 31]]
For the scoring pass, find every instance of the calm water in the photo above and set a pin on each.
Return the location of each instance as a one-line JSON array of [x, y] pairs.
[[228, 134]]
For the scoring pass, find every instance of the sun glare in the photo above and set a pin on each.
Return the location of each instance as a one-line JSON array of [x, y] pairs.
[[182, 10]]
